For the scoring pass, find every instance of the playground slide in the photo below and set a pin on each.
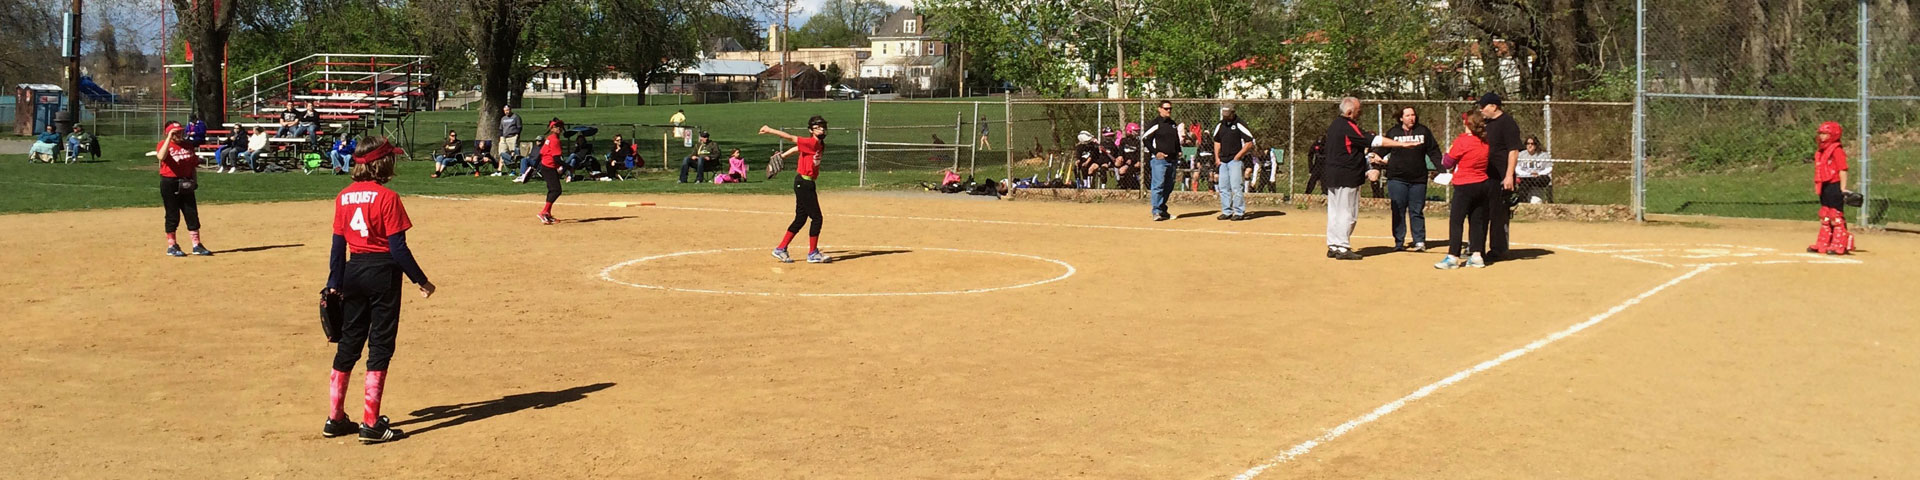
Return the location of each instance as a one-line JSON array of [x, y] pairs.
[[95, 93]]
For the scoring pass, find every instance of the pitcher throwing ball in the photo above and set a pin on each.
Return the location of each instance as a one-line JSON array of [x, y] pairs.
[[805, 197], [370, 222]]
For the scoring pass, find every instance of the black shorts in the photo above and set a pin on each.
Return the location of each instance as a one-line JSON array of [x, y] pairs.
[[1832, 197]]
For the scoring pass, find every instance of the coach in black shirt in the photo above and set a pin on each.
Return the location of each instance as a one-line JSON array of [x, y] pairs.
[[1346, 169], [1503, 155], [1162, 140]]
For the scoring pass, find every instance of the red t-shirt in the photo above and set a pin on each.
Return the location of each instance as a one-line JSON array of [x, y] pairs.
[[366, 213], [1828, 163], [179, 162], [809, 156], [1472, 155], [550, 151]]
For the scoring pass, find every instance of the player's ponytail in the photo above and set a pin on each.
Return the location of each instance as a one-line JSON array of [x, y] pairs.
[[373, 160]]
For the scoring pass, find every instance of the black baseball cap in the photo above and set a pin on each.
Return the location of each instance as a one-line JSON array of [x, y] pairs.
[[1489, 99]]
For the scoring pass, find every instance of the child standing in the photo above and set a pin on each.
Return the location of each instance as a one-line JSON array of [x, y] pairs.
[[1829, 183], [806, 198]]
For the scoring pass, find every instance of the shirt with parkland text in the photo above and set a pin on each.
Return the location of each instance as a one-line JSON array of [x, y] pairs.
[[366, 213], [809, 157]]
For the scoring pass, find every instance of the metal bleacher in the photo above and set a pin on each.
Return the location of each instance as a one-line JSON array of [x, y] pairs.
[[358, 94]]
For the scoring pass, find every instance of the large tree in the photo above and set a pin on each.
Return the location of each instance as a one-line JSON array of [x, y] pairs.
[[206, 25], [841, 23], [496, 36]]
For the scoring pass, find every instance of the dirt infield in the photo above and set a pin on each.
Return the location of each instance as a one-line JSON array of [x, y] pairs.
[[962, 338]]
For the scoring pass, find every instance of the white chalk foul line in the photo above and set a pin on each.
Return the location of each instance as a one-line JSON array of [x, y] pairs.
[[1423, 392], [607, 274]]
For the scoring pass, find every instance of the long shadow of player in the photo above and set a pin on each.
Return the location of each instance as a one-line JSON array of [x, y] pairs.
[[848, 255], [455, 415]]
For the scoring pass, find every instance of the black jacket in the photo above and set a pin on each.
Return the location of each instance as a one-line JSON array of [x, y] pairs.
[[1346, 155], [1162, 136], [1233, 137], [1410, 164]]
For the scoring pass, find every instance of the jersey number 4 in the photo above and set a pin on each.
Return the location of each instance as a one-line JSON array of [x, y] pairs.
[[359, 222]]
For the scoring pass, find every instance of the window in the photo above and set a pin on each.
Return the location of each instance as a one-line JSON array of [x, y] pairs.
[[883, 49], [931, 51], [910, 26]]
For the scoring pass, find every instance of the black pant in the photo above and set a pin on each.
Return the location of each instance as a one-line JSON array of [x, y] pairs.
[[178, 203], [552, 176], [806, 205], [1499, 215], [1470, 205], [370, 301]]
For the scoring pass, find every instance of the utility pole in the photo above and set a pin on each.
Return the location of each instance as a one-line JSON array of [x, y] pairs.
[[786, 25], [65, 119]]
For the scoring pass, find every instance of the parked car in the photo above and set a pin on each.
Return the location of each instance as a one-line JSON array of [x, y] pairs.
[[843, 92], [881, 89]]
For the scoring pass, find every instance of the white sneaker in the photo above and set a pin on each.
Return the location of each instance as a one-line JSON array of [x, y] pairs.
[[1476, 262], [1449, 263]]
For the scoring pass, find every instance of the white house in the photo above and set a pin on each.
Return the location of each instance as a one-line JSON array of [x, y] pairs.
[[902, 45]]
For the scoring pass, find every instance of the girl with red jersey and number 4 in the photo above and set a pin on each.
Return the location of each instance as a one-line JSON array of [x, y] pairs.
[[806, 198], [1829, 183], [370, 222]]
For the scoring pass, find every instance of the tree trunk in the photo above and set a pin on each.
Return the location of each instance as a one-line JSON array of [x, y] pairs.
[[498, 35], [209, 83]]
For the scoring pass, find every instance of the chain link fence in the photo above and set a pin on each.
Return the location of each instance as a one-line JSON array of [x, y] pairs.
[[1733, 94], [1585, 155]]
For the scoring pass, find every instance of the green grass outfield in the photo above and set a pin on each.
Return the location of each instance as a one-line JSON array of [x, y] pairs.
[[125, 177]]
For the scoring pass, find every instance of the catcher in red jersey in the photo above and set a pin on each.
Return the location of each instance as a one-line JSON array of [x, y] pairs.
[[370, 222]]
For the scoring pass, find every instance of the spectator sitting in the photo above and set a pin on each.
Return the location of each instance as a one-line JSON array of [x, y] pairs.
[[698, 162], [449, 154], [580, 157], [618, 156], [736, 170], [80, 144], [256, 144], [290, 122], [310, 122], [229, 153], [1534, 172], [341, 156], [483, 156], [43, 147], [196, 131]]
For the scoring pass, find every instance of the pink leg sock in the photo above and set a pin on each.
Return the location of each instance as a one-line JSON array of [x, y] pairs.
[[813, 243], [170, 240], [337, 395], [195, 234], [784, 241], [376, 385]]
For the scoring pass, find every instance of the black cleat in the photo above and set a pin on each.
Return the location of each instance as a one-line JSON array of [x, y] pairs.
[[174, 251], [1343, 255], [1223, 217], [380, 432], [1238, 217], [341, 427], [202, 251]]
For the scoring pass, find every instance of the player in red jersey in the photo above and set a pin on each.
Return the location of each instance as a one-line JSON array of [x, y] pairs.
[[806, 198], [370, 222], [550, 151], [1829, 183], [177, 184]]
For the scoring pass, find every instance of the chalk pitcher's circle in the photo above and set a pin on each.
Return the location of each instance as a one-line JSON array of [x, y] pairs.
[[758, 263]]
